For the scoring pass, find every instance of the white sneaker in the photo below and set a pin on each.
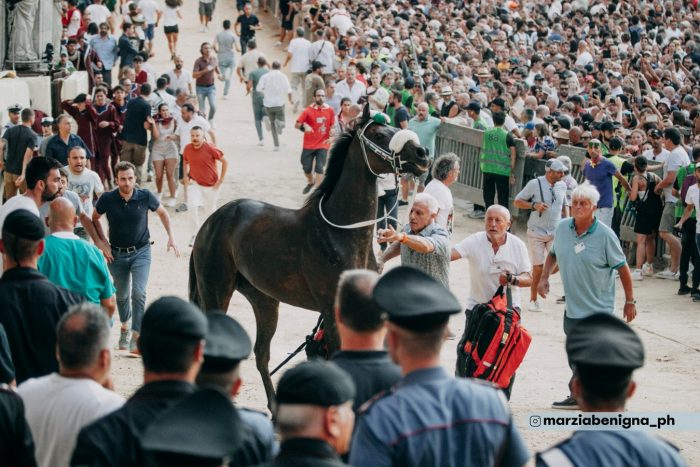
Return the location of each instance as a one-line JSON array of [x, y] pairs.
[[201, 29], [277, 149], [666, 274], [534, 306], [260, 143], [648, 269], [170, 202], [266, 121], [278, 43], [637, 275]]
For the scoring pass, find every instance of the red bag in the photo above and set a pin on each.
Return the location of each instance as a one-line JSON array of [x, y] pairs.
[[494, 343]]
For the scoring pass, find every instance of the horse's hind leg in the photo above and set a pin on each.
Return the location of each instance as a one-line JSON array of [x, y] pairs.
[[266, 311], [215, 278]]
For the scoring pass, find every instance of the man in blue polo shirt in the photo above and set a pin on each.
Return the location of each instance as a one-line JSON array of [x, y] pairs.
[[588, 254], [599, 171], [60, 145], [128, 251]]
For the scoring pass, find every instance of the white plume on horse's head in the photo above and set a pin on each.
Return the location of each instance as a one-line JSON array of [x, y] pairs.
[[400, 138]]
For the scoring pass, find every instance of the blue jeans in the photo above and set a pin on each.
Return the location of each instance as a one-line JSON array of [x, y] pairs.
[[204, 93], [226, 67], [130, 274]]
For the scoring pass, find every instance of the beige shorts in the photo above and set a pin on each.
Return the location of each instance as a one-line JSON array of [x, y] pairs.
[[668, 218], [538, 245]]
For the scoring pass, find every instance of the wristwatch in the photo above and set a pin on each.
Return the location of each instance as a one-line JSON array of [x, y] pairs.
[[631, 302]]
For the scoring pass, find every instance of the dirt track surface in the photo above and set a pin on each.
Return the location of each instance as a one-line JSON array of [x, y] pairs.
[[667, 323]]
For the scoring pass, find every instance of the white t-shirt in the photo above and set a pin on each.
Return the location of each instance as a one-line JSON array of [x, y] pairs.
[[85, 185], [149, 10], [74, 24], [443, 195], [184, 128], [342, 22], [98, 13], [677, 158], [485, 266], [342, 89], [693, 197], [299, 49], [324, 52], [15, 203], [180, 82], [649, 154], [170, 16], [275, 88], [57, 408]]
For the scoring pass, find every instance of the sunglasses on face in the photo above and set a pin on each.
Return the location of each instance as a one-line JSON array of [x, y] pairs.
[[593, 145]]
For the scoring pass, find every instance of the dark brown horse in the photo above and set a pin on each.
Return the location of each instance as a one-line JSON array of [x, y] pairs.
[[272, 254]]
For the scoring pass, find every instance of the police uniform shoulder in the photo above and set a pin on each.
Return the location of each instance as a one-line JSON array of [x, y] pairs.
[[554, 456], [365, 408]]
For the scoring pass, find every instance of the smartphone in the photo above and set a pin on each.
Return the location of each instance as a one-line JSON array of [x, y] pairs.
[[652, 118]]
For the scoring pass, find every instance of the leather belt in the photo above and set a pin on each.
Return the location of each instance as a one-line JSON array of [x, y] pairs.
[[129, 249]]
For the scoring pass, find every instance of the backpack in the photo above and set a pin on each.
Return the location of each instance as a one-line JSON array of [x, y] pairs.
[[494, 343]]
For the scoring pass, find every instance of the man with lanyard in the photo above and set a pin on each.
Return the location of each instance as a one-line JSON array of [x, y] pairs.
[[545, 196], [246, 25], [604, 352], [128, 250], [423, 244], [428, 409], [588, 253], [599, 172], [316, 122]]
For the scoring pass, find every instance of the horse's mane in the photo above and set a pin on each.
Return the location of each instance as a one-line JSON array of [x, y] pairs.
[[336, 162]]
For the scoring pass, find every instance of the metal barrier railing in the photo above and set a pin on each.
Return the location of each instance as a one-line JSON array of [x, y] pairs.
[[466, 143]]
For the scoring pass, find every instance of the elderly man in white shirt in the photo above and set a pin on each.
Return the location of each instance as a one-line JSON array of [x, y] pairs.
[[350, 87], [275, 86]]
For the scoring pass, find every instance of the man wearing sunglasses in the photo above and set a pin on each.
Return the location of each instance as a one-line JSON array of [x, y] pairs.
[[599, 172]]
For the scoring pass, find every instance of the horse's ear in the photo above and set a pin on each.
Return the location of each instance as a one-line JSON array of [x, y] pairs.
[[365, 113]]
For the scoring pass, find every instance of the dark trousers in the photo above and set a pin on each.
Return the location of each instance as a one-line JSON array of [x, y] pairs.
[[496, 184], [689, 252], [569, 324], [107, 77]]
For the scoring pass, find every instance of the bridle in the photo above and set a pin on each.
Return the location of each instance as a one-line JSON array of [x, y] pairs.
[[390, 156]]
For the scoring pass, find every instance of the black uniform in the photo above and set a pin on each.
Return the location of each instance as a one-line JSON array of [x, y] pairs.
[[114, 439], [372, 372], [306, 452], [31, 308], [16, 443]]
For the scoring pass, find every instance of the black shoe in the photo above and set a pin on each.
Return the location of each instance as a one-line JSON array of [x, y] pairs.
[[307, 188], [567, 404], [685, 290], [696, 297], [403, 203], [561, 300]]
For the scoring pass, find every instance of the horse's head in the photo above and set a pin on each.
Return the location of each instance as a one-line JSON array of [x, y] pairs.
[[387, 149]]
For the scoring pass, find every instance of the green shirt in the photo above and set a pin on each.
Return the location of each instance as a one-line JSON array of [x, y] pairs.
[[682, 173], [255, 76], [76, 265], [426, 131]]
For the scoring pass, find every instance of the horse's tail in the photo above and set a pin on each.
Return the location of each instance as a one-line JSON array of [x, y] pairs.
[[194, 291]]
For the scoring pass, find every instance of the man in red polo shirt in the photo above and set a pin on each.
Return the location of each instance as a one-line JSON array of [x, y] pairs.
[[201, 176], [316, 122]]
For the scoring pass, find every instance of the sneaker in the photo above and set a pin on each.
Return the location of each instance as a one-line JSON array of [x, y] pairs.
[[561, 299], [201, 29], [307, 188], [280, 126], [182, 207], [276, 149], [684, 290], [149, 176], [170, 202], [278, 43], [567, 404], [666, 274], [648, 269], [403, 203], [191, 244], [534, 306], [266, 121], [260, 143], [637, 275], [696, 297], [477, 214], [133, 345], [124, 339]]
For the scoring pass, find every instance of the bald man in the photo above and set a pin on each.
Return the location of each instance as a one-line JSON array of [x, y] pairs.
[[74, 263]]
